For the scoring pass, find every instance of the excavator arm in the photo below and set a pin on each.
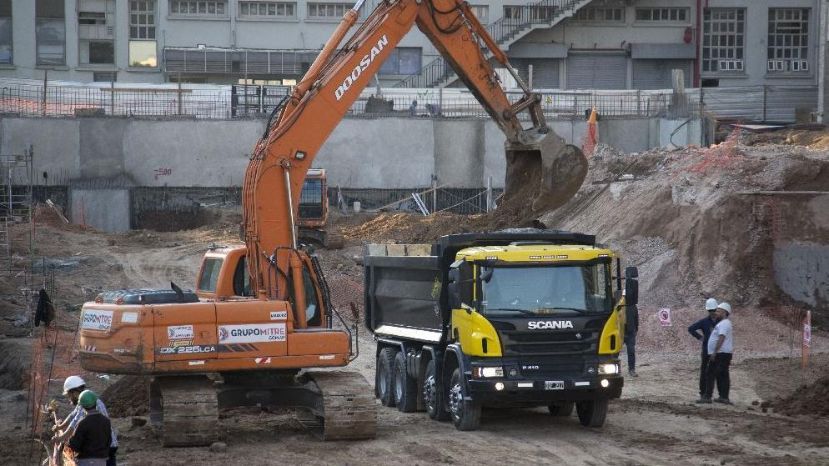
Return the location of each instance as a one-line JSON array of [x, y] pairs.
[[539, 164]]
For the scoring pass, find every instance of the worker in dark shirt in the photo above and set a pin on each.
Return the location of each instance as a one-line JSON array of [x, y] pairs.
[[704, 325], [92, 437]]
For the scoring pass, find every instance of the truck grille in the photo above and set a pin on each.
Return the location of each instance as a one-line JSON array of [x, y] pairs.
[[540, 343], [526, 343]]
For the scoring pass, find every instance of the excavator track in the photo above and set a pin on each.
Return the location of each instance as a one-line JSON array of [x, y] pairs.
[[189, 411], [349, 410]]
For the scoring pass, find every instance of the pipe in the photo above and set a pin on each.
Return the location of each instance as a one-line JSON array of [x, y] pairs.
[[287, 167], [327, 51], [698, 34]]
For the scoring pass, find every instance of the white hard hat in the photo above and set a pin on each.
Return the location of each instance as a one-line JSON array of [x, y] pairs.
[[710, 304], [725, 307], [72, 382]]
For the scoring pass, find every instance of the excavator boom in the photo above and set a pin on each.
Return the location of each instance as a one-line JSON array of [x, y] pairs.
[[542, 171]]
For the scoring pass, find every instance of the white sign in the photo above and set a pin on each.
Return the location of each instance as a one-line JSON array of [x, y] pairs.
[[129, 317], [93, 319], [279, 315], [807, 335], [251, 333], [180, 332], [665, 317]]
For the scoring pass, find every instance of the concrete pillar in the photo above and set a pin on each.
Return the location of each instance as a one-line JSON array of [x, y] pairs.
[[23, 38], [823, 61]]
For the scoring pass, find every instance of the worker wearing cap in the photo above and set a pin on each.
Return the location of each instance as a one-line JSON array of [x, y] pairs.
[[73, 386], [704, 325], [720, 350], [93, 435]]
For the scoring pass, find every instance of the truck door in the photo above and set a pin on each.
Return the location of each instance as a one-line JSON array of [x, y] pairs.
[[184, 331]]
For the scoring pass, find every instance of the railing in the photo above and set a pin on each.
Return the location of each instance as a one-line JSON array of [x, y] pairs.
[[27, 98], [516, 19]]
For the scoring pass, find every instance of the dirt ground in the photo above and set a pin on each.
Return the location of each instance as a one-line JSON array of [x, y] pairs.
[[655, 422]]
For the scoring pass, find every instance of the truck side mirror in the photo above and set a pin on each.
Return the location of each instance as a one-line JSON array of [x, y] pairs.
[[460, 284], [631, 291]]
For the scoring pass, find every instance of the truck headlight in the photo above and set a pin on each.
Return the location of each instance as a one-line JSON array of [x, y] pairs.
[[485, 372], [611, 368]]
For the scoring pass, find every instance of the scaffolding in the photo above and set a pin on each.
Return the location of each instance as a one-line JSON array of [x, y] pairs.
[[17, 221]]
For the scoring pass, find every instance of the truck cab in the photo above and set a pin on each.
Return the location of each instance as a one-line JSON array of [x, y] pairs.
[[532, 319]]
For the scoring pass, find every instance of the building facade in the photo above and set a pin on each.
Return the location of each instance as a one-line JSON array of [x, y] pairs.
[[555, 44]]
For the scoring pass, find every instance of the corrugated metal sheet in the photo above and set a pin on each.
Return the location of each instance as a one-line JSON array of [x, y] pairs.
[[656, 74], [596, 71], [545, 72], [758, 103]]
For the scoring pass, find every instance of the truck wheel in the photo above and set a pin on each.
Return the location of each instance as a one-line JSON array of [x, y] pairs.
[[592, 413], [432, 396], [384, 378], [466, 413], [405, 387], [561, 409]]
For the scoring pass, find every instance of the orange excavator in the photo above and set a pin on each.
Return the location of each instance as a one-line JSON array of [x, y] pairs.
[[261, 314]]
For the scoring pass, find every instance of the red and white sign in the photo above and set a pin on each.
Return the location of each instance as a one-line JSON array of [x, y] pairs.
[[180, 332], [807, 330], [93, 319], [251, 333], [262, 360], [664, 317]]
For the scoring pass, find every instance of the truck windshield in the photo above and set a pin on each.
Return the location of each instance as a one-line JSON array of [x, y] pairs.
[[547, 290]]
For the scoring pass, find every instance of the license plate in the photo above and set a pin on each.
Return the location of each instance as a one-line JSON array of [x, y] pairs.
[[553, 385]]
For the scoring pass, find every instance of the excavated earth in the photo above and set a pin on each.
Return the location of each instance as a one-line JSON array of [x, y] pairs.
[[681, 216]]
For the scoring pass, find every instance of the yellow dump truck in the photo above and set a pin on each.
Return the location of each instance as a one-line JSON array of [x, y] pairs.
[[517, 318]]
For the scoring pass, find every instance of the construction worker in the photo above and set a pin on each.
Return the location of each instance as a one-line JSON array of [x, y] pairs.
[[73, 386], [720, 351], [704, 325], [92, 436]]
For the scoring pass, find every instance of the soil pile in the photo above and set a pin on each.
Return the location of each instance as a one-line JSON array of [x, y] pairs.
[[129, 396], [14, 363], [810, 399]]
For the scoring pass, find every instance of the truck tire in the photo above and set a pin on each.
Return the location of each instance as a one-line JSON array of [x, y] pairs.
[[432, 394], [405, 387], [466, 413], [564, 409], [384, 378], [592, 413]]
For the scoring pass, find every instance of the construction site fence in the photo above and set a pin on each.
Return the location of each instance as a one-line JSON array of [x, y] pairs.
[[32, 98]]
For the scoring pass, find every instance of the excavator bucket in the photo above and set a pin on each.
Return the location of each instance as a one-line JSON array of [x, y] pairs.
[[543, 175]]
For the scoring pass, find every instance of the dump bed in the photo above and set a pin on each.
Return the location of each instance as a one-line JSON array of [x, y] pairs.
[[402, 291]]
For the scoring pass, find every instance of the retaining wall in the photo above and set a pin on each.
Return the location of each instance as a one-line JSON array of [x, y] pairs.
[[385, 153]]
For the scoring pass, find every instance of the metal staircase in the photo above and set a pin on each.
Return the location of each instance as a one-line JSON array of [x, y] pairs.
[[505, 31], [16, 176]]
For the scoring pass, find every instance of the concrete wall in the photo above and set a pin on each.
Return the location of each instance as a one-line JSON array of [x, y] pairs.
[[104, 209], [361, 152]]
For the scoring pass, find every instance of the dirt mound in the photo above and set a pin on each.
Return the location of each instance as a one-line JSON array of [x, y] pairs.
[[810, 400], [14, 363], [129, 396], [411, 228], [693, 220]]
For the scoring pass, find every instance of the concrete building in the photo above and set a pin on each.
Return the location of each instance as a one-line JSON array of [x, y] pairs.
[[567, 44]]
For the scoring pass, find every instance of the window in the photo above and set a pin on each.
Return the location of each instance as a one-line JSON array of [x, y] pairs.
[[210, 274], [50, 32], [5, 31], [327, 10], [723, 39], [528, 13], [601, 14], [104, 76], [676, 15], [788, 42], [402, 60], [198, 8], [96, 35], [142, 47], [267, 9], [481, 12]]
